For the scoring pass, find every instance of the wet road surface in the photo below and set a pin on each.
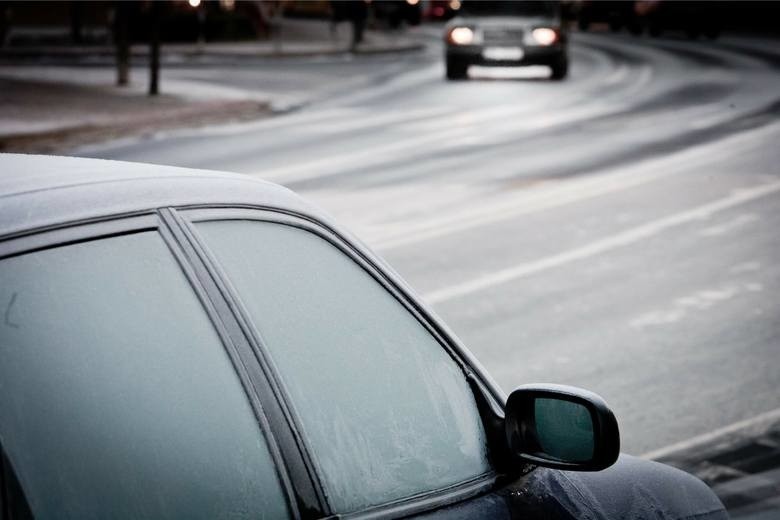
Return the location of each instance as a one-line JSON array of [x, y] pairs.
[[616, 231]]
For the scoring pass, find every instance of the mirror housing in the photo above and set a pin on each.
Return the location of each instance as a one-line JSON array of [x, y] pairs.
[[561, 427]]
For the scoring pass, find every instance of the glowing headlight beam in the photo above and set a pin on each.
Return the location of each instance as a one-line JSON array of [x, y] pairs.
[[461, 35], [544, 35]]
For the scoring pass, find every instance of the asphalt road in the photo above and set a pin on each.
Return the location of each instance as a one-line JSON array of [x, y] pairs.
[[616, 231]]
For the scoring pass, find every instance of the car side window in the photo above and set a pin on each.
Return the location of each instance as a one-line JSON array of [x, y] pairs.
[[387, 412], [117, 398]]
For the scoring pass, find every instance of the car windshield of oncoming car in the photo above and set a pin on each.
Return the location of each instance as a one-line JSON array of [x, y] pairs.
[[387, 412], [117, 398]]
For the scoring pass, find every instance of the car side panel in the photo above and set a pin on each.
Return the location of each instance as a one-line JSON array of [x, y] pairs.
[[631, 488]]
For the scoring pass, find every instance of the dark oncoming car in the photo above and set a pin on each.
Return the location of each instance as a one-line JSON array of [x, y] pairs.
[[507, 34], [190, 344]]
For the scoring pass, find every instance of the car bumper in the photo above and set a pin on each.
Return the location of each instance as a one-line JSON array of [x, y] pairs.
[[474, 55]]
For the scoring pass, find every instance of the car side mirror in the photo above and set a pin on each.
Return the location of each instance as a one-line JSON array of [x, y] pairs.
[[561, 427]]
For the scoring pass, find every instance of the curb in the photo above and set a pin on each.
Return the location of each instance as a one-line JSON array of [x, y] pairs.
[[196, 115], [45, 53]]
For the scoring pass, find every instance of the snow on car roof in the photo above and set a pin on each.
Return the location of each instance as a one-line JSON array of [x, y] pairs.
[[38, 191]]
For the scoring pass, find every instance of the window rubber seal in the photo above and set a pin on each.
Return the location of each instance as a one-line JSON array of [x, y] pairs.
[[303, 486]]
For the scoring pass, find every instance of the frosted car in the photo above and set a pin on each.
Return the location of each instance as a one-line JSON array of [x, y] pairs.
[[180, 343]]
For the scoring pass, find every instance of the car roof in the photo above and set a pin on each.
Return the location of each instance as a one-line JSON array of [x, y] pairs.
[[38, 191]]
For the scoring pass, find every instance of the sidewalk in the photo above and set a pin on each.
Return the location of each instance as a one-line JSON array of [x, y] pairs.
[[48, 117], [50, 101], [293, 38]]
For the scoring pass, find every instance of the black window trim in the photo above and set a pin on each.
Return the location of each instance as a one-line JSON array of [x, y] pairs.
[[76, 231], [13, 503], [426, 501], [300, 466], [223, 321], [88, 230], [202, 213]]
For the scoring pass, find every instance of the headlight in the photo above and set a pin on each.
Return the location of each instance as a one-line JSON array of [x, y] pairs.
[[461, 35], [544, 35]]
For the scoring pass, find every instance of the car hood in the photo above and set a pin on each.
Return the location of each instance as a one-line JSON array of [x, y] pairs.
[[520, 22]]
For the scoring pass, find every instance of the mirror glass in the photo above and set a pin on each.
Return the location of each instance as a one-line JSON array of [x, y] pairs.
[[564, 429]]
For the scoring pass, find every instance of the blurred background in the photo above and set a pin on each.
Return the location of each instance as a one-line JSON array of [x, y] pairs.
[[605, 215]]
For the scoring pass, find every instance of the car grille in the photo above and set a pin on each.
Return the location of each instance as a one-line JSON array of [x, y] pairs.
[[502, 35]]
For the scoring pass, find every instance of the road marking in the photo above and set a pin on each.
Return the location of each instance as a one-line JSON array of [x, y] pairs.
[[571, 191], [737, 223], [713, 436], [691, 303], [621, 239], [517, 206]]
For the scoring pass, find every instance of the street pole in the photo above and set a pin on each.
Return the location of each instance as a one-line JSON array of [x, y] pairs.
[[122, 43], [201, 27], [154, 50], [76, 24]]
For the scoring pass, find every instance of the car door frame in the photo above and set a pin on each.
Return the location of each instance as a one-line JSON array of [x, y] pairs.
[[490, 399], [299, 493]]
